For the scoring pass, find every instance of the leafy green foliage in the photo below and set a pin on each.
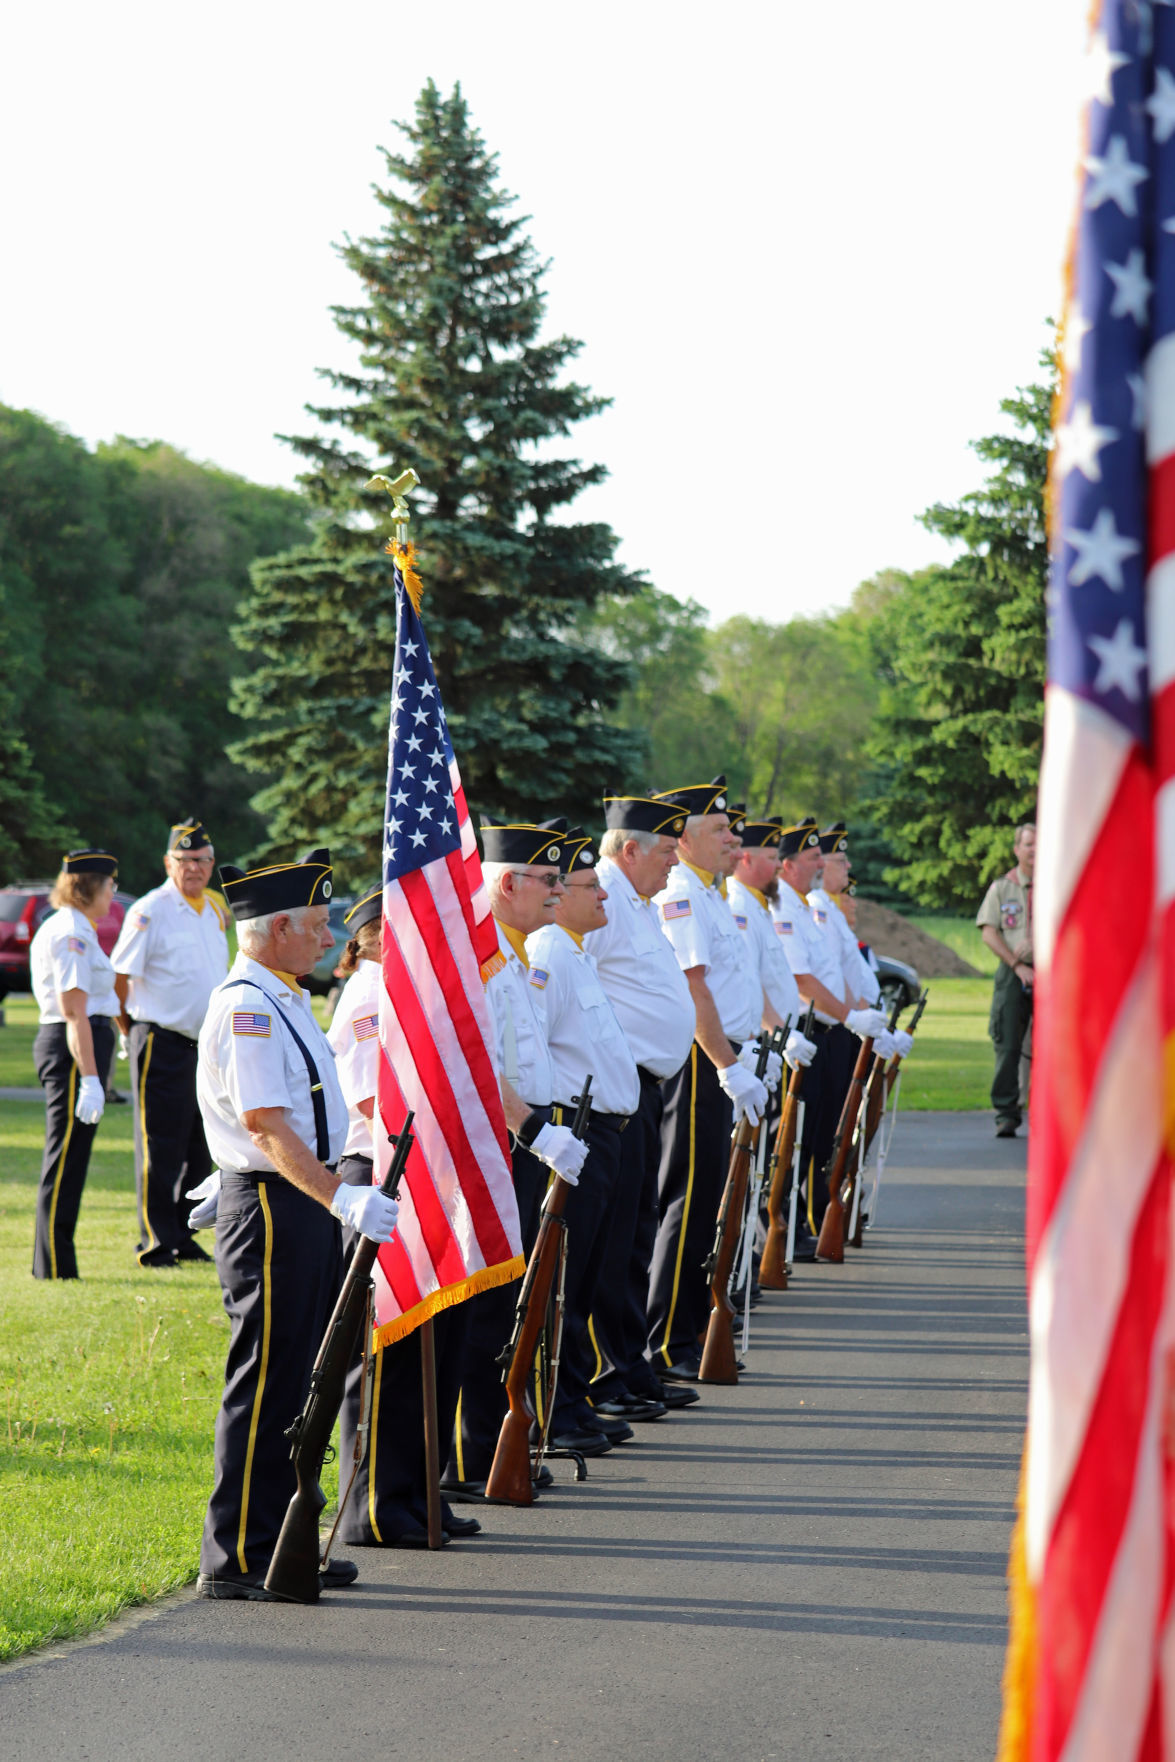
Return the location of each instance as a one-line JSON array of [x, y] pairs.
[[455, 382], [120, 572], [960, 653]]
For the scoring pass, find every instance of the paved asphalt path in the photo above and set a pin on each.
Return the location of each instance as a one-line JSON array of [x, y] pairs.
[[809, 1566]]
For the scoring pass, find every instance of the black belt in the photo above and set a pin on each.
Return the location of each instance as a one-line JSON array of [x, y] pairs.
[[647, 1078], [255, 1175], [611, 1122], [158, 1028], [824, 1027]]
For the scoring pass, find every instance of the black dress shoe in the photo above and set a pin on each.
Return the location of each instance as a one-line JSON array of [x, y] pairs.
[[1006, 1128], [678, 1395], [191, 1251], [460, 1527], [544, 1478], [337, 1573], [584, 1443], [463, 1492], [158, 1257], [232, 1590], [685, 1372], [415, 1538], [634, 1407]]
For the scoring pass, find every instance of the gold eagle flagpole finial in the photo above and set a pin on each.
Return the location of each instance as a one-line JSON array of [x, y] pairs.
[[397, 488]]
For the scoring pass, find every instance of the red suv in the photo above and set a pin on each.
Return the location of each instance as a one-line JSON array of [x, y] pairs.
[[23, 909]]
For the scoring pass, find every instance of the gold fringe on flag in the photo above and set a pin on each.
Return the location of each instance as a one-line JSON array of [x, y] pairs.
[[494, 965], [485, 1280], [1021, 1660], [404, 557]]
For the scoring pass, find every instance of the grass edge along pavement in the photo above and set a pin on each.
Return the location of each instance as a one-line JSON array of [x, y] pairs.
[[110, 1384]]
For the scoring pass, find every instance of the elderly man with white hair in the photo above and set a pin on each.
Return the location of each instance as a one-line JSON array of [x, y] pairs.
[[276, 1123]]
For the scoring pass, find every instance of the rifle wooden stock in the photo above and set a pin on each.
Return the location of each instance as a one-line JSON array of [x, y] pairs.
[[719, 1359], [773, 1265], [293, 1570], [830, 1244], [510, 1478]]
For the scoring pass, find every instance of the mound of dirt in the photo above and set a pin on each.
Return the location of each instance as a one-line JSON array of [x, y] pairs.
[[887, 932]]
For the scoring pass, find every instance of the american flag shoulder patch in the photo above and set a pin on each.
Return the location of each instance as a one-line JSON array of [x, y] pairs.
[[783, 927], [140, 920], [248, 1021], [820, 916], [740, 920], [75, 945], [365, 1027], [676, 908], [539, 977]]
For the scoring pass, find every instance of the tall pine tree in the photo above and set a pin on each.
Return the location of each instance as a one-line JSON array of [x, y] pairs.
[[961, 651], [455, 382]]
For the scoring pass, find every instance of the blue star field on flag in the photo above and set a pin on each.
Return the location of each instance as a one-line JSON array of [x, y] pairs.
[[1122, 303], [420, 817]]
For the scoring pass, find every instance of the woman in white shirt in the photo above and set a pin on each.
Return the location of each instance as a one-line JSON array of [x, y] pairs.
[[73, 983]]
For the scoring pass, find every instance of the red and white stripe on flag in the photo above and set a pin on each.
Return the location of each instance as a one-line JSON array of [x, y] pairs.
[[1090, 1674], [458, 1230]]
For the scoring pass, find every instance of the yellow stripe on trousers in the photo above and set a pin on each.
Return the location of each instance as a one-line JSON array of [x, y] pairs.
[[689, 1188], [152, 1238], [266, 1323], [373, 1439], [73, 1094]]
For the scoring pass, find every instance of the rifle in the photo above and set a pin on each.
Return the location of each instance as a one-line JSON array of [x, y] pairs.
[[867, 1124], [719, 1363], [745, 1278], [511, 1476], [293, 1571], [773, 1265], [893, 1085], [830, 1244]]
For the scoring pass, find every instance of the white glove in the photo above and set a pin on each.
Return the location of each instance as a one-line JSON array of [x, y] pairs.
[[903, 1042], [774, 1072], [207, 1192], [124, 1050], [91, 1102], [365, 1210], [868, 1023], [799, 1049], [746, 1091], [748, 1057], [885, 1045], [562, 1151]]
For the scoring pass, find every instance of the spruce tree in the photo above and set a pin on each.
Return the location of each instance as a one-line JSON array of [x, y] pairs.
[[961, 652], [454, 381]]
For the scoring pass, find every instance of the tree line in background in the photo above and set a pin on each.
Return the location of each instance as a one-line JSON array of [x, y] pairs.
[[915, 713]]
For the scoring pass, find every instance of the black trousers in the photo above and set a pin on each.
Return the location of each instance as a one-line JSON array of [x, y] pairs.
[[390, 1494], [279, 1257], [67, 1145], [1011, 1013], [171, 1153], [490, 1322], [586, 1216], [695, 1157], [619, 1325], [826, 1083]]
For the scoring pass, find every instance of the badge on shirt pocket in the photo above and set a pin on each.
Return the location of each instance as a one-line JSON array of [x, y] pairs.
[[1010, 915]]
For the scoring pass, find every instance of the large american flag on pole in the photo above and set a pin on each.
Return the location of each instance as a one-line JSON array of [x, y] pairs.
[[458, 1229], [1091, 1665]]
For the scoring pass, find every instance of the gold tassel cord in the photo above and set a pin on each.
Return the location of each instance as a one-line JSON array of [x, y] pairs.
[[484, 1280], [404, 557], [1020, 1663]]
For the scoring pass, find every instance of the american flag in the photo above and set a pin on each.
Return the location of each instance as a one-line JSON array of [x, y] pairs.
[[1091, 1664], [458, 1231]]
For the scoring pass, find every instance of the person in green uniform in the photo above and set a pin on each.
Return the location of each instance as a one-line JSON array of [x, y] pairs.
[[1005, 923]]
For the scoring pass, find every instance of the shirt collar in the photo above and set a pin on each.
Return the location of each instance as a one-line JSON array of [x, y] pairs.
[[705, 876], [193, 905], [515, 940], [287, 980]]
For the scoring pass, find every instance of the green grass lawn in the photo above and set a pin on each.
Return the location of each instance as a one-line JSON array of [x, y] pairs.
[[951, 1064], [109, 1387], [16, 1042], [961, 935]]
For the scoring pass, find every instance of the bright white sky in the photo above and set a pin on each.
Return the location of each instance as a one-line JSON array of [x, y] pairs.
[[808, 248]]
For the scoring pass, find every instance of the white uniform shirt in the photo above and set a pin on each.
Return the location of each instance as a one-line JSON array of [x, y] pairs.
[[752, 916], [639, 972], [65, 955], [703, 934], [859, 975], [520, 1039], [174, 957], [354, 1038], [808, 948], [582, 1030], [249, 1059]]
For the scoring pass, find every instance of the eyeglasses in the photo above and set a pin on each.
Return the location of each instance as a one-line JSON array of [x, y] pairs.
[[584, 886], [549, 881]]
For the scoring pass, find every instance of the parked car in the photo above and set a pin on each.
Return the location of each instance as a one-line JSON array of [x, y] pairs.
[[899, 982], [24, 906]]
